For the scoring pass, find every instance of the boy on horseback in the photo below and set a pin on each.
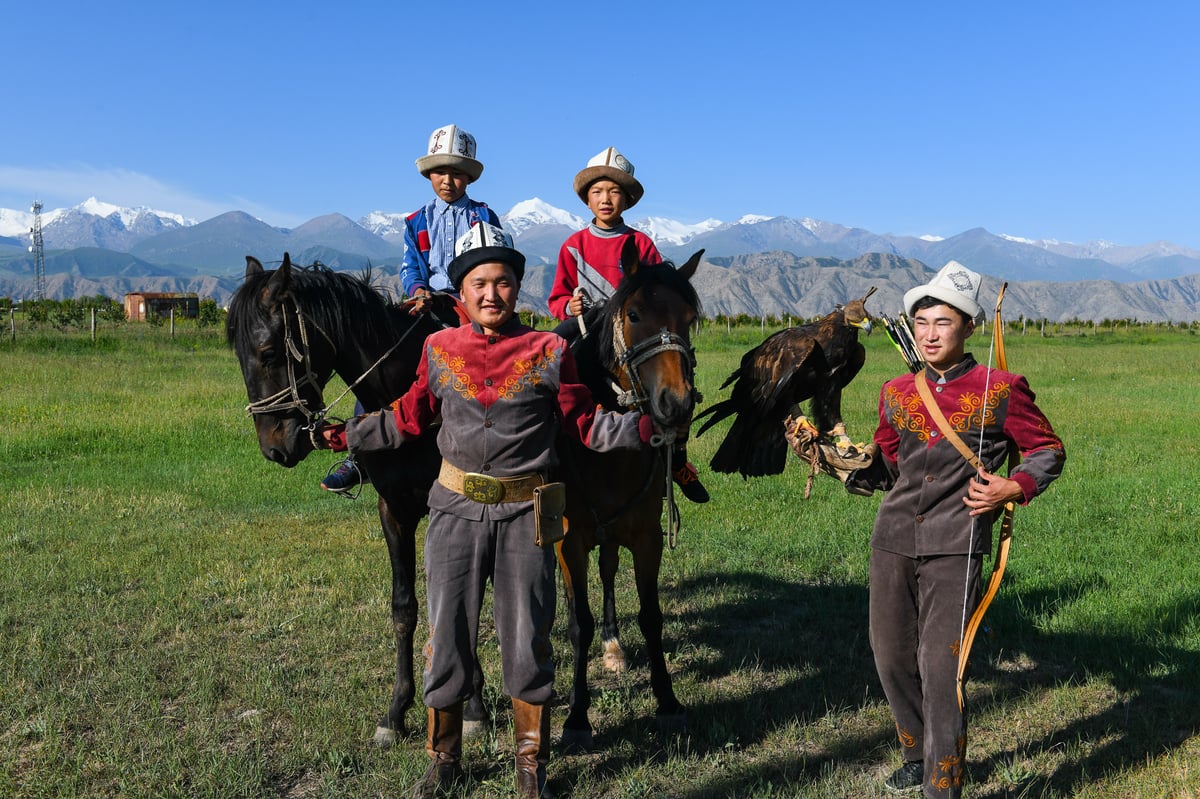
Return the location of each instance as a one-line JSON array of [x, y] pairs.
[[503, 392], [429, 236], [589, 264], [431, 231]]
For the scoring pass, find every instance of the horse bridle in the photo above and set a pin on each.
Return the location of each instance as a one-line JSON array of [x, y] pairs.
[[288, 398], [630, 359]]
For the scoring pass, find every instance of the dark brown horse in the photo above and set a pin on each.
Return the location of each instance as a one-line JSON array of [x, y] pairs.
[[638, 354], [292, 328]]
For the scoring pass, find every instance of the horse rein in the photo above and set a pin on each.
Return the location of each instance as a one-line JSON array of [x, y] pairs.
[[630, 359], [289, 398]]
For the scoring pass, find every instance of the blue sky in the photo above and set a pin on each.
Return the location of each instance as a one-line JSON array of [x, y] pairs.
[[1068, 120]]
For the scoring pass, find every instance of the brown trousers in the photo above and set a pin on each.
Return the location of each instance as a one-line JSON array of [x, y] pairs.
[[916, 607]]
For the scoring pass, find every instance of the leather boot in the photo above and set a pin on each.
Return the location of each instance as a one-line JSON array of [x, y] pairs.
[[443, 744], [531, 733]]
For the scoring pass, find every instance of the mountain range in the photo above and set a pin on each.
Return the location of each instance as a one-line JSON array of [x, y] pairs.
[[755, 265]]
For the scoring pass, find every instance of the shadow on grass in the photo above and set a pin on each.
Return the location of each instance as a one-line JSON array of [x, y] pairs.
[[807, 644]]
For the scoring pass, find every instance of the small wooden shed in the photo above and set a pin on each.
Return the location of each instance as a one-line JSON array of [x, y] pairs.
[[140, 305]]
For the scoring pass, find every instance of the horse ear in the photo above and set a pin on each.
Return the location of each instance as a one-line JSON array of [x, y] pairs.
[[279, 283], [630, 260], [689, 267], [253, 266]]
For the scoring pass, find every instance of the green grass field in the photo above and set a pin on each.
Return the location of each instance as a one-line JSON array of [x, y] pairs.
[[181, 618]]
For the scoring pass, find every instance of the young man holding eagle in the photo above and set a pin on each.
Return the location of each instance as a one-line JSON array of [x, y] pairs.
[[935, 524]]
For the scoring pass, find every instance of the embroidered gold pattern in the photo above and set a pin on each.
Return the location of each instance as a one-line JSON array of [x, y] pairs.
[[905, 412], [906, 738], [973, 414], [527, 374], [450, 371]]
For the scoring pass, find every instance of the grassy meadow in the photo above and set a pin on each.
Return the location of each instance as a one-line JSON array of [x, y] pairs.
[[181, 618]]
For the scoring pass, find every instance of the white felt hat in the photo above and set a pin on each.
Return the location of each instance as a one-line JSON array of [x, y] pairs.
[[954, 285], [611, 165], [484, 243], [451, 146]]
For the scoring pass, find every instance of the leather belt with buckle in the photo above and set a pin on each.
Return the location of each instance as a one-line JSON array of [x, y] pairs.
[[486, 489]]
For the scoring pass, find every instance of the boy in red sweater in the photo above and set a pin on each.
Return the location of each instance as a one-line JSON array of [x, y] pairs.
[[589, 264]]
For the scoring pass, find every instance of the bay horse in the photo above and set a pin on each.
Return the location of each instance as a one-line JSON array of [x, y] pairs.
[[292, 328], [615, 499]]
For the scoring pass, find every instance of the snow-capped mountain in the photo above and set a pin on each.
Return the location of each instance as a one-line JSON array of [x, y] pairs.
[[389, 227], [668, 231], [531, 213], [92, 223], [522, 216], [1119, 254]]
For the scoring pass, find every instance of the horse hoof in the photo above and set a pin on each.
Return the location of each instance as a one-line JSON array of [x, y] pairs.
[[384, 738], [614, 656], [576, 741], [475, 728], [671, 723]]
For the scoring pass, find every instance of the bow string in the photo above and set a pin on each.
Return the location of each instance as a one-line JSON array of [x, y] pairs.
[[1004, 539]]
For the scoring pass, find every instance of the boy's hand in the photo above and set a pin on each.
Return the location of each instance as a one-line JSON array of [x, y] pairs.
[[575, 305], [986, 492], [420, 302]]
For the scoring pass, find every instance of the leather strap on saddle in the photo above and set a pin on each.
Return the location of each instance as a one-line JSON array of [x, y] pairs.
[[486, 489]]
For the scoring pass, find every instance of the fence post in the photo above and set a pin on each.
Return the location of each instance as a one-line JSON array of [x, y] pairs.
[[93, 325], [12, 323], [172, 323]]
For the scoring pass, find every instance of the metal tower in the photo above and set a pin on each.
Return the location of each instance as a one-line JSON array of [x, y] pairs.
[[39, 252]]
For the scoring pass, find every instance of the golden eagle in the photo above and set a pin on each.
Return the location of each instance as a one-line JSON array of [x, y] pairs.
[[812, 361]]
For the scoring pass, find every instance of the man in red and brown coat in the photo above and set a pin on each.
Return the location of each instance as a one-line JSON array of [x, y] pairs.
[[503, 392], [935, 524]]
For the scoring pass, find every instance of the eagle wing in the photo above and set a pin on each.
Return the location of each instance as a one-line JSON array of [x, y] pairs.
[[787, 368]]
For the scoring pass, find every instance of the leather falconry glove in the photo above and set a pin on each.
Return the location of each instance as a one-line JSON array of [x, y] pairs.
[[837, 459]]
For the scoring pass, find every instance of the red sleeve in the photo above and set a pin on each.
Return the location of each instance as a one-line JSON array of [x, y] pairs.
[[574, 399], [418, 407], [1042, 451], [565, 281], [886, 436]]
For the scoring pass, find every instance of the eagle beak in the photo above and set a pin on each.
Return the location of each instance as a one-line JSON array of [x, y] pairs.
[[866, 325]]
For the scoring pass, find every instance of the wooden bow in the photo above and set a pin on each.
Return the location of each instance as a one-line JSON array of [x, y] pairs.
[[1006, 526]]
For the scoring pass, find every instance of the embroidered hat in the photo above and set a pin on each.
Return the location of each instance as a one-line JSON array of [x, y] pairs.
[[954, 285], [451, 146], [483, 244], [613, 166]]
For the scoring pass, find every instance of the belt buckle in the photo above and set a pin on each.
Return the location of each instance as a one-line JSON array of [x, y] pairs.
[[482, 488]]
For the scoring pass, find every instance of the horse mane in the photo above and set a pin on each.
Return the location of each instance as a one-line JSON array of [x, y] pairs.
[[334, 301], [664, 274]]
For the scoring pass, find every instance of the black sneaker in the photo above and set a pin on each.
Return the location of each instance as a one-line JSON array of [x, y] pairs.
[[906, 778], [688, 480]]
